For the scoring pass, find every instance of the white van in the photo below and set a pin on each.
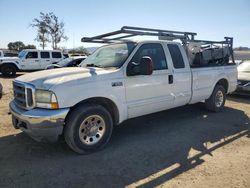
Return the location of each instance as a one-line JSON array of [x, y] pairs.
[[29, 59]]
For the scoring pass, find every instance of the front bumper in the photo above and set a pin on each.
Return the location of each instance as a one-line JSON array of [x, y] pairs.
[[40, 124]]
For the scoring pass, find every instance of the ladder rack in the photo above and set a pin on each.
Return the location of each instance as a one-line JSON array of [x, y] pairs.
[[128, 31]]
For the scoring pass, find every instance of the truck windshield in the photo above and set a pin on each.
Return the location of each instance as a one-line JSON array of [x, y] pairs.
[[113, 55], [244, 67], [22, 54]]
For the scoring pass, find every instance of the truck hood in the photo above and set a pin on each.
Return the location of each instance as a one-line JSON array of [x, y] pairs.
[[48, 78]]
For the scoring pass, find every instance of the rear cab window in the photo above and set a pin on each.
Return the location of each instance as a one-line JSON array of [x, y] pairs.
[[56, 55], [176, 56]]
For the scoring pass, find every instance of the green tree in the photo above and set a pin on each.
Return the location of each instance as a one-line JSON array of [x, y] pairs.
[[18, 45], [30, 46]]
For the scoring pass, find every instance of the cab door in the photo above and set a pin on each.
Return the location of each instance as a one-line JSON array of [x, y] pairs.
[[31, 61], [182, 80], [45, 59], [149, 93]]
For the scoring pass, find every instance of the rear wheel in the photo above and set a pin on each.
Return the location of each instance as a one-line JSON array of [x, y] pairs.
[[88, 128], [8, 70], [217, 100]]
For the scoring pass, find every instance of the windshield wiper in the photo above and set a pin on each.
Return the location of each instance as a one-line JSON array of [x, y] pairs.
[[94, 65]]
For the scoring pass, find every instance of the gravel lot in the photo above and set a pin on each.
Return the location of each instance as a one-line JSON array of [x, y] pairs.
[[182, 147]]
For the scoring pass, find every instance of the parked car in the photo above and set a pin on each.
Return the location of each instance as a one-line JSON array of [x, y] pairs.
[[1, 90], [119, 81], [68, 62], [1, 53], [243, 86], [29, 59]]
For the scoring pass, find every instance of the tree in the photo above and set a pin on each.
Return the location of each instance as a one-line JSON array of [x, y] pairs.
[[18, 45], [42, 30], [29, 46], [49, 24], [56, 29]]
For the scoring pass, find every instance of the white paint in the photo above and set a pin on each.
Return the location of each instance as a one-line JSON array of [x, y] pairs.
[[138, 95]]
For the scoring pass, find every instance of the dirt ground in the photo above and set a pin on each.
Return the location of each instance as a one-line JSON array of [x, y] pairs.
[[182, 147]]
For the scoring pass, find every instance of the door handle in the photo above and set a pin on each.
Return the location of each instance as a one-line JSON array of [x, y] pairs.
[[170, 79], [47, 60], [36, 60]]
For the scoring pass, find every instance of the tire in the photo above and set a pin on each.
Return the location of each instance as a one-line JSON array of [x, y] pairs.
[[216, 101], [8, 70], [88, 128]]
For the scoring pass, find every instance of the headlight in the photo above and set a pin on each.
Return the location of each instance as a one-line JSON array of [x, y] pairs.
[[46, 99]]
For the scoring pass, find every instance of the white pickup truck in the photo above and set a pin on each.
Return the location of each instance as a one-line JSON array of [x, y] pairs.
[[117, 82], [29, 59]]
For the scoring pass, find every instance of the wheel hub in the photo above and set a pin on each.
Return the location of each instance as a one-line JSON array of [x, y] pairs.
[[92, 129], [219, 98]]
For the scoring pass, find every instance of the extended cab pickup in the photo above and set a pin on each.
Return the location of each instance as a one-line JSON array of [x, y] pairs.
[[117, 82], [29, 59]]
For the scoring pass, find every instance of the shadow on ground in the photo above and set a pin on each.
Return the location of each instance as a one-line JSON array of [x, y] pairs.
[[12, 77], [239, 98], [139, 148]]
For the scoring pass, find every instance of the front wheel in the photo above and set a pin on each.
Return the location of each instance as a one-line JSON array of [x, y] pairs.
[[88, 128], [8, 70], [217, 100]]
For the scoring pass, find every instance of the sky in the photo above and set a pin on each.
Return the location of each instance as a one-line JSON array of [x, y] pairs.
[[211, 20]]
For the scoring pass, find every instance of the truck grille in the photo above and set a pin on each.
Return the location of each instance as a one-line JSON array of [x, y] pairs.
[[23, 95]]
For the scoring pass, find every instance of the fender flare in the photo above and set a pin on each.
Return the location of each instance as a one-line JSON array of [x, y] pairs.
[[14, 63]]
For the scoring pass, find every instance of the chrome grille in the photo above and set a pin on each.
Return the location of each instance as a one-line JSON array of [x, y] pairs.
[[24, 94]]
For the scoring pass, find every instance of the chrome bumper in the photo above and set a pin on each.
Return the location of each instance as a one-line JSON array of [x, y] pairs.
[[40, 124]]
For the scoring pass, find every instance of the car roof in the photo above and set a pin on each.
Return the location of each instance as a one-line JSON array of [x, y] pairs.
[[77, 57], [42, 50]]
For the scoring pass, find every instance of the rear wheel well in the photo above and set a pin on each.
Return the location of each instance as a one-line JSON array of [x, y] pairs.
[[105, 102], [11, 64], [223, 82]]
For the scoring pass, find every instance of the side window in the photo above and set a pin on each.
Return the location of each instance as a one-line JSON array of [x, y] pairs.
[[77, 62], [0, 54], [56, 55], [176, 56], [72, 63], [153, 50], [45, 55], [32, 55]]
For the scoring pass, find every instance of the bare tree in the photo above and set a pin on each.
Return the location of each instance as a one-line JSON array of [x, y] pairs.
[[42, 30], [49, 24], [56, 30]]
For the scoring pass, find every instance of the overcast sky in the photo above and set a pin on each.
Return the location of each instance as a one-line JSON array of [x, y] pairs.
[[212, 19]]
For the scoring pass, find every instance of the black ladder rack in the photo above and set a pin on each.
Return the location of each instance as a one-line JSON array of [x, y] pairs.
[[129, 31]]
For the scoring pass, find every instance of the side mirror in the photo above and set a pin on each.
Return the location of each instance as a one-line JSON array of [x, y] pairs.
[[146, 66]]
